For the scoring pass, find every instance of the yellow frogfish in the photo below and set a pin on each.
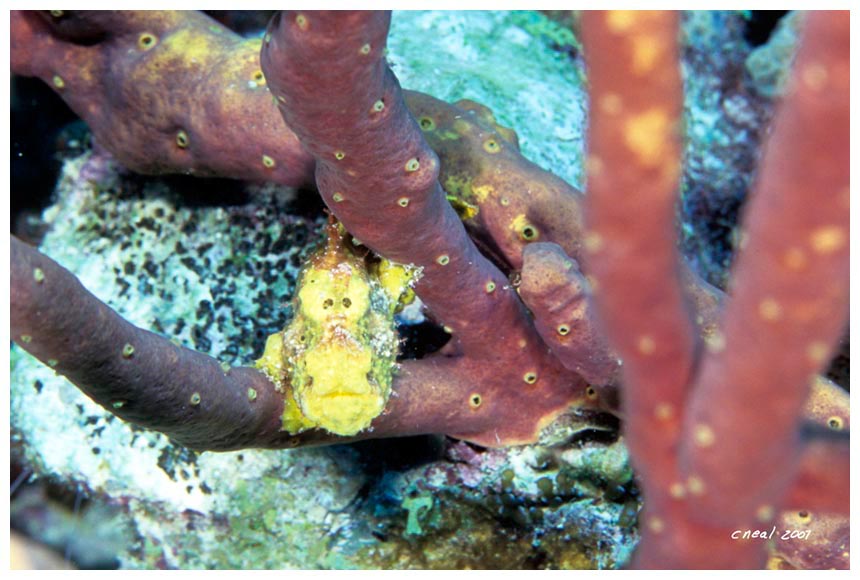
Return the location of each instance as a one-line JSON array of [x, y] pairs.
[[335, 360]]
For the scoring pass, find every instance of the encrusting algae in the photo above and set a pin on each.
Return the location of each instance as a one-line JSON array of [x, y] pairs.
[[336, 359]]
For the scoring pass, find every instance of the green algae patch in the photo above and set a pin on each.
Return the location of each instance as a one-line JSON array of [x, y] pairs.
[[417, 508]]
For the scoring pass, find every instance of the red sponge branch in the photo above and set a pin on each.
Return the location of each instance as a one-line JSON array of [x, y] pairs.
[[633, 167], [137, 375], [789, 292], [163, 91], [716, 434], [823, 473], [556, 293]]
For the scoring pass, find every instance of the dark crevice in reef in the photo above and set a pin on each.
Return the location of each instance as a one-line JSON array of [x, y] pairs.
[[204, 191], [761, 24], [840, 368], [38, 117], [421, 340], [244, 22], [376, 457], [308, 203]]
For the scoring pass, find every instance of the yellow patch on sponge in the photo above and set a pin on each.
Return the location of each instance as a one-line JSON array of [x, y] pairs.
[[646, 53], [396, 280], [482, 192], [648, 136]]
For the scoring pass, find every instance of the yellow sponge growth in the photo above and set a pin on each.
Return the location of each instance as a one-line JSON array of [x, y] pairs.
[[396, 280]]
